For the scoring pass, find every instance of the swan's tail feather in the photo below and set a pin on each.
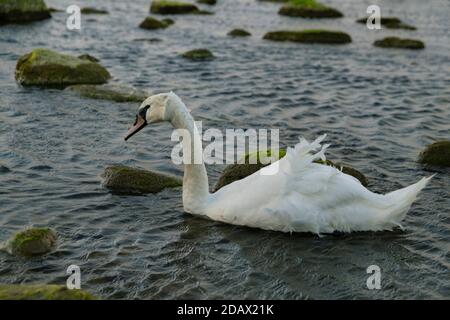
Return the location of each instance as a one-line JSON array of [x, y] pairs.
[[402, 200], [303, 154]]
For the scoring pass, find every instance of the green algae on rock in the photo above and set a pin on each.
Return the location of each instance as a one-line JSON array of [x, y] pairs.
[[390, 23], [309, 36], [113, 92], [23, 11], [198, 54], [308, 9], [253, 162], [41, 292], [89, 10], [42, 67], [397, 43], [239, 33], [172, 7], [126, 180], [151, 23], [437, 153], [31, 242]]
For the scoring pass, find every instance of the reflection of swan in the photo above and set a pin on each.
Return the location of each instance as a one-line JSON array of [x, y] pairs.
[[301, 196]]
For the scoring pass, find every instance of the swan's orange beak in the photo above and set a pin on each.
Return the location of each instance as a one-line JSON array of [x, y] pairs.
[[138, 125]]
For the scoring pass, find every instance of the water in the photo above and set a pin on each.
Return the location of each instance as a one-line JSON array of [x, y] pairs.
[[379, 108]]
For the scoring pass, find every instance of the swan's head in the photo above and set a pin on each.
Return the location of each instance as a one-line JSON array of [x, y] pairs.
[[152, 110]]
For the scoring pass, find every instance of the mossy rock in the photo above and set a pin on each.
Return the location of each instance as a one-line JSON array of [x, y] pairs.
[[42, 67], [198, 54], [208, 2], [32, 242], [173, 7], [397, 43], [90, 10], [113, 92], [151, 23], [251, 163], [41, 292], [23, 11], [309, 36], [308, 9], [126, 180], [239, 33], [437, 153], [390, 23]]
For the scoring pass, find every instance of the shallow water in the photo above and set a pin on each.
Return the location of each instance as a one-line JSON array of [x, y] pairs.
[[379, 108]]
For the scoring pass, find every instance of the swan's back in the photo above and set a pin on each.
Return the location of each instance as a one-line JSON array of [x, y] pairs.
[[303, 196]]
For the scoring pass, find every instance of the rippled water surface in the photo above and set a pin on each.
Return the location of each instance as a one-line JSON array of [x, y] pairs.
[[379, 108]]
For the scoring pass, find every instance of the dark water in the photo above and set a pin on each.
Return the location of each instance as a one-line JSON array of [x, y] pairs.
[[379, 108]]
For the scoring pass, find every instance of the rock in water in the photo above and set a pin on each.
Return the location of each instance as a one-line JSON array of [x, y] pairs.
[[172, 7], [41, 292], [88, 57], [47, 68], [208, 2], [309, 36], [31, 242], [239, 33], [126, 180], [113, 92], [22, 11], [89, 10], [198, 54], [151, 23], [437, 153], [247, 167], [397, 43], [308, 9], [390, 23]]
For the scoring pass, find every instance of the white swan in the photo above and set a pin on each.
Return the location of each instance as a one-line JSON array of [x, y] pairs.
[[302, 196]]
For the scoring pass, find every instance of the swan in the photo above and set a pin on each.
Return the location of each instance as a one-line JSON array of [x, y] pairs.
[[302, 196]]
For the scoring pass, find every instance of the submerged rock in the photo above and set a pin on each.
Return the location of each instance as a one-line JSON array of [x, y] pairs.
[[208, 2], [152, 23], [89, 10], [88, 57], [22, 11], [309, 36], [4, 169], [48, 68], [308, 9], [151, 40], [437, 153], [239, 33], [41, 292], [113, 92], [127, 180], [172, 7], [390, 23], [394, 42], [198, 54], [31, 242], [51, 9], [250, 165]]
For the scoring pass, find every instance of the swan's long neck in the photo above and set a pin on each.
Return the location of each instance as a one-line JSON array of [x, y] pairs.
[[195, 180]]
